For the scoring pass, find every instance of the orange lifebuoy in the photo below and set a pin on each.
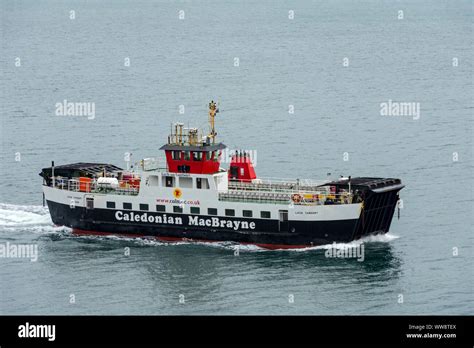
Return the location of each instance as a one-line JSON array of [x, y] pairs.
[[296, 198]]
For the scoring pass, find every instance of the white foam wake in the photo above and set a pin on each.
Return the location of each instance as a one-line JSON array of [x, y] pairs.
[[151, 241], [380, 238], [248, 247], [23, 215]]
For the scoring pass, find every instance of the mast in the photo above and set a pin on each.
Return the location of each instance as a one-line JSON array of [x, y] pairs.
[[213, 110]]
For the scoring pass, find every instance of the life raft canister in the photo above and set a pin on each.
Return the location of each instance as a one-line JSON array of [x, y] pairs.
[[296, 198]]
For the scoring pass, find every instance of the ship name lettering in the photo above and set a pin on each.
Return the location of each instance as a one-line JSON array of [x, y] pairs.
[[158, 219], [216, 222]]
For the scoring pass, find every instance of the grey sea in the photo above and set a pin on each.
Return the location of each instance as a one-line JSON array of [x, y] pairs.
[[309, 85]]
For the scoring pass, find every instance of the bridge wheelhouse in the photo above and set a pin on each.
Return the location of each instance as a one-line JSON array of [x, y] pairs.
[[187, 151]]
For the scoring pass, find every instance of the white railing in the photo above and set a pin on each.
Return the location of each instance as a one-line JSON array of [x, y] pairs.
[[75, 185], [278, 186], [303, 182], [293, 197]]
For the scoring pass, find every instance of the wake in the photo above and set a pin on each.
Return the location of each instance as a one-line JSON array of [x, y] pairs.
[[23, 215]]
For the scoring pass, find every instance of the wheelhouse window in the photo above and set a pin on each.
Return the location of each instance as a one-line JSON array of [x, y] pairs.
[[211, 211], [195, 210], [111, 205], [230, 212], [169, 181], [176, 155], [143, 206], [209, 155], [197, 156], [247, 213], [265, 214], [161, 208], [186, 155], [177, 209], [127, 206]]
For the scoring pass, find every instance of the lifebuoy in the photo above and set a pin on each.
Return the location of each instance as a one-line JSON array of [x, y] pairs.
[[296, 198]]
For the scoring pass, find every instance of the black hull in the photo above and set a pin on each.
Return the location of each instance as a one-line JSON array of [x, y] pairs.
[[267, 233]]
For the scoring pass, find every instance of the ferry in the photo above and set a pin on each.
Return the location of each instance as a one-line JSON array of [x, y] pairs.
[[191, 197]]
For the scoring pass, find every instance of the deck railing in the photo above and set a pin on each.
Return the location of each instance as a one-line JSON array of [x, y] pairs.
[[290, 198], [271, 192], [277, 185], [75, 185]]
